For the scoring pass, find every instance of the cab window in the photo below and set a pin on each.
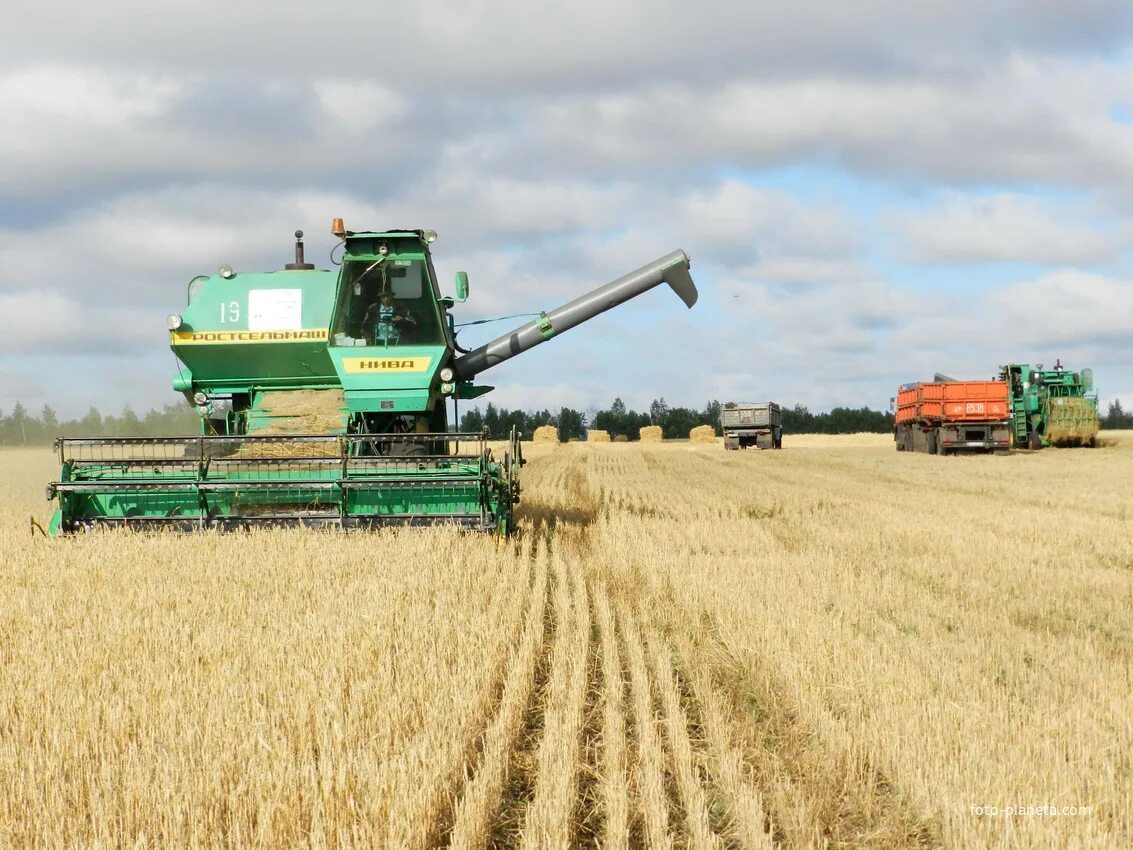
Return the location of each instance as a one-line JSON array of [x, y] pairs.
[[385, 302]]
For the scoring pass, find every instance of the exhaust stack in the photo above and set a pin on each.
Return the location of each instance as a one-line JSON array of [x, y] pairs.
[[672, 269]]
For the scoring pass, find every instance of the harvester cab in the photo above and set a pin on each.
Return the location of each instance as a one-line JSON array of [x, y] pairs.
[[1051, 406], [323, 399]]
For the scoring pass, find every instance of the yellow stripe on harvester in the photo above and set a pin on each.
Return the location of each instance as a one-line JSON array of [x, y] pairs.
[[226, 337], [386, 364]]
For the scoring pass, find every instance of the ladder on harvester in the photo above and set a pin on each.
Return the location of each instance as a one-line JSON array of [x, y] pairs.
[[1020, 422]]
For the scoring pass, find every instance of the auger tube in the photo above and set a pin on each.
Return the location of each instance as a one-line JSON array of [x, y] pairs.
[[672, 269]]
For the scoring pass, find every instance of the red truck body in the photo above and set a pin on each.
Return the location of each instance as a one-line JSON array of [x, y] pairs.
[[957, 401], [952, 416]]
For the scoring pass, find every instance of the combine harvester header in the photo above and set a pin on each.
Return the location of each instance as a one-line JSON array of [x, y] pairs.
[[323, 400]]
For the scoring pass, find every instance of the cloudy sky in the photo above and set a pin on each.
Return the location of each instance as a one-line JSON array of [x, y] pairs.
[[870, 192]]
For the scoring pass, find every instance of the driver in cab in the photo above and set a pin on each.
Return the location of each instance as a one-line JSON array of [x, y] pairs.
[[387, 319]]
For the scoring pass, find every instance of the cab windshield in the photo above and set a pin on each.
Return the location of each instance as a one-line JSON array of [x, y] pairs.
[[385, 302]]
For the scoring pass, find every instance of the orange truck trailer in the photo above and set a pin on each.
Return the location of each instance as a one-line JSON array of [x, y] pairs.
[[953, 416]]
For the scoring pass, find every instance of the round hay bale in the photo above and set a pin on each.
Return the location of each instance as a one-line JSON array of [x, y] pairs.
[[546, 434], [620, 438], [702, 434], [650, 434], [596, 436]]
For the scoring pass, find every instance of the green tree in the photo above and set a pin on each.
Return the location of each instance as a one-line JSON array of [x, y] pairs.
[[572, 425], [49, 420], [1117, 417], [679, 422], [711, 416], [472, 421], [19, 419], [91, 424]]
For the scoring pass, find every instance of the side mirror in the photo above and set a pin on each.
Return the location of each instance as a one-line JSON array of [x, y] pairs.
[[462, 286]]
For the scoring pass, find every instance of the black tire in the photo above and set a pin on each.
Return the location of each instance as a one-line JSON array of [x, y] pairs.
[[407, 448], [1034, 441]]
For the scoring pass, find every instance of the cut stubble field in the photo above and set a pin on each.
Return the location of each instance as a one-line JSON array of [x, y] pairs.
[[832, 645]]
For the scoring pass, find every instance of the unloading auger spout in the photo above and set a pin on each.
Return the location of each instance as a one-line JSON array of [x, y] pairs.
[[672, 269]]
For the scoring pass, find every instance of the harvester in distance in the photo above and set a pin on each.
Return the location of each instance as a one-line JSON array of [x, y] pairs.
[[1051, 407], [323, 400]]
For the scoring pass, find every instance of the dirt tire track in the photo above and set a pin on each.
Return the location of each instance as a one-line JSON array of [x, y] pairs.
[[481, 796], [447, 805], [551, 813], [614, 776], [742, 822], [650, 776], [505, 827], [680, 746], [813, 797], [590, 825]]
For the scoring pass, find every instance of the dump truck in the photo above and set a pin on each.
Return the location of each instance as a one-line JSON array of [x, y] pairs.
[[756, 424], [323, 400], [953, 416], [1051, 407]]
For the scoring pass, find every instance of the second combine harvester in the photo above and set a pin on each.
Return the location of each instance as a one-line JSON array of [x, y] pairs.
[[323, 400]]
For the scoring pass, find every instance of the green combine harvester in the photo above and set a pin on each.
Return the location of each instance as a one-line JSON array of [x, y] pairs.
[[1051, 407], [323, 401]]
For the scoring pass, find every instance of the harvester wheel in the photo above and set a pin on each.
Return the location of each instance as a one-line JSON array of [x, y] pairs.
[[1034, 441], [407, 449]]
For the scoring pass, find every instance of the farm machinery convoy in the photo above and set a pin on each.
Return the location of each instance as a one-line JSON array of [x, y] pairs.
[[323, 400], [1027, 407]]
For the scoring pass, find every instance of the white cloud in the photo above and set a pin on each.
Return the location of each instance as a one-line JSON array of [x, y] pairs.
[[83, 96], [359, 107], [37, 321], [508, 43], [1019, 120], [1067, 307], [1004, 226]]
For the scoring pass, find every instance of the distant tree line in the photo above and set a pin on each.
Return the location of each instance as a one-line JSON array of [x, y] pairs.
[[675, 422], [20, 428], [1117, 417], [572, 424]]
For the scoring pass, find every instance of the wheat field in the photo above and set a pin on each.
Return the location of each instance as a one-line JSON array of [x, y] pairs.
[[832, 645]]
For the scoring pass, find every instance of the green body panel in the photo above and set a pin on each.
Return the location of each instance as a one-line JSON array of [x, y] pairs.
[[1051, 406], [406, 368], [258, 329]]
